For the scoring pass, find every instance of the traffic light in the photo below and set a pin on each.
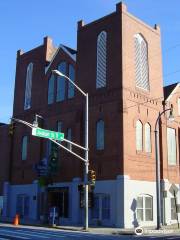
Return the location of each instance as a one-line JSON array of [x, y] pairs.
[[53, 159], [92, 177], [11, 128]]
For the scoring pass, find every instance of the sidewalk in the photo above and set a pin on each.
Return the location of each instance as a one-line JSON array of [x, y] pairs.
[[92, 229], [170, 229], [99, 230]]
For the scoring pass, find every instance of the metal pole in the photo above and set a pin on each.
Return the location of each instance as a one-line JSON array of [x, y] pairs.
[[86, 163], [158, 185], [158, 196]]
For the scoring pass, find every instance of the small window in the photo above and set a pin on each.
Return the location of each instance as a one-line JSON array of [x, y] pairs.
[[101, 60], [101, 207], [139, 136], [70, 85], [51, 89], [24, 147], [27, 100], [22, 205], [106, 207], [171, 146], [100, 135], [144, 208], [141, 62], [61, 83], [147, 138]]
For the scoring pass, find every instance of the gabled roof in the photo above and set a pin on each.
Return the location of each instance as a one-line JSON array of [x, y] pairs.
[[69, 51], [169, 90]]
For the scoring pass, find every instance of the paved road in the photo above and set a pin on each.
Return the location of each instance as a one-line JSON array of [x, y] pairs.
[[33, 233]]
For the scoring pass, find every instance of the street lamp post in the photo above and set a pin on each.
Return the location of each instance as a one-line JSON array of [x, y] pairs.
[[86, 142], [158, 187]]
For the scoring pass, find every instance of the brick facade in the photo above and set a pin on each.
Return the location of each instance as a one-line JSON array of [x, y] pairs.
[[120, 104]]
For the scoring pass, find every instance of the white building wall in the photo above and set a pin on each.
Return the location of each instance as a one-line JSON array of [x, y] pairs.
[[132, 189], [11, 199], [123, 193]]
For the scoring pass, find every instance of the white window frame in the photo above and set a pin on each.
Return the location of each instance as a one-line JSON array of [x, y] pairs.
[[99, 209], [139, 135], [147, 129], [171, 150], [144, 208]]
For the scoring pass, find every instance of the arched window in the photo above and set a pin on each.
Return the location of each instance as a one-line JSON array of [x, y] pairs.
[[101, 60], [27, 100], [147, 138], [70, 85], [141, 62], [24, 147], [51, 89], [100, 135], [61, 83], [171, 146], [144, 208], [139, 136]]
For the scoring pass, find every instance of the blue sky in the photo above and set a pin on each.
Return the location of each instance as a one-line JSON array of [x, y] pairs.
[[23, 24]]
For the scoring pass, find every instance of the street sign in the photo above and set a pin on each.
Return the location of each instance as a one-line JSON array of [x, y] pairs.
[[39, 132], [173, 189], [42, 168]]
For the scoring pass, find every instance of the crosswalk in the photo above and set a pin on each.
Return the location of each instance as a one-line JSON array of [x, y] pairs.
[[8, 233]]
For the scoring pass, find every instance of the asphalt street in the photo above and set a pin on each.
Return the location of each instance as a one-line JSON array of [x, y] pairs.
[[33, 233]]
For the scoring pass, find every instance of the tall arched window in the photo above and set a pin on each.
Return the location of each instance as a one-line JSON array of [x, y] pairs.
[[139, 136], [171, 146], [24, 147], [70, 85], [27, 99], [147, 138], [141, 62], [101, 60], [100, 135], [51, 89], [61, 83]]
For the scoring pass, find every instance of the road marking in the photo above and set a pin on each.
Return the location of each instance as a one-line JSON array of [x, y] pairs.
[[176, 237], [33, 233], [59, 234], [30, 234], [10, 235]]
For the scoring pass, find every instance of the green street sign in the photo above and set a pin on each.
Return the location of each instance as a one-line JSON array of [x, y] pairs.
[[39, 132]]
